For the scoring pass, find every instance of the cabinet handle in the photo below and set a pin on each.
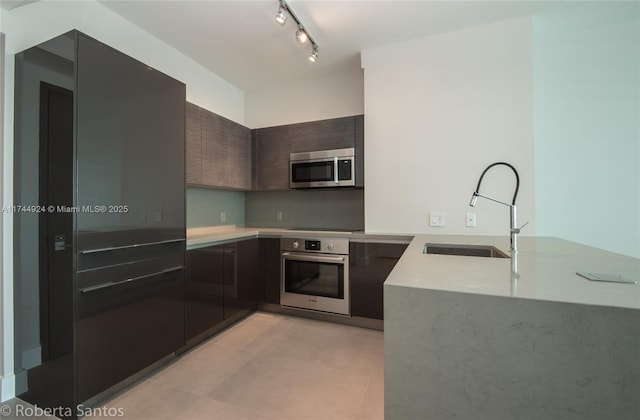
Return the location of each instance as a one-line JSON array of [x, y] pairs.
[[216, 251], [115, 248], [118, 283]]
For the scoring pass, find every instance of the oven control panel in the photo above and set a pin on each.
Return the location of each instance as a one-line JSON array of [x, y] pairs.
[[312, 245], [321, 245]]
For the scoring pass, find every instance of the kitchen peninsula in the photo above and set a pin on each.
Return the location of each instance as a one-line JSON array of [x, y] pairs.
[[467, 338]]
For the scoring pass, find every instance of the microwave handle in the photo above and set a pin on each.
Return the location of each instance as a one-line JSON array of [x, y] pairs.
[[335, 170]]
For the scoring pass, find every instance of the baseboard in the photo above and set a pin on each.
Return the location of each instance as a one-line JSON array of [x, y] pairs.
[[21, 382], [31, 357], [354, 321], [7, 388]]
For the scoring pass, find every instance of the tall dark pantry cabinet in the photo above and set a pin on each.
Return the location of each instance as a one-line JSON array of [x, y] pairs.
[[99, 225]]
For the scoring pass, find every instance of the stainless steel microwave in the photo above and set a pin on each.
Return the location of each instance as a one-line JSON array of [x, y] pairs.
[[322, 169]]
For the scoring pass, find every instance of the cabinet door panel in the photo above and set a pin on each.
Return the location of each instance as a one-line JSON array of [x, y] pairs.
[[125, 327], [241, 273], [337, 133], [194, 144], [370, 265], [204, 296], [270, 250], [239, 162], [215, 149], [130, 150], [359, 146], [272, 148]]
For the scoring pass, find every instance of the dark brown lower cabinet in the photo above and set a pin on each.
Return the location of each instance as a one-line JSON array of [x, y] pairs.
[[220, 286], [369, 266], [204, 299], [270, 254], [241, 270], [127, 324]]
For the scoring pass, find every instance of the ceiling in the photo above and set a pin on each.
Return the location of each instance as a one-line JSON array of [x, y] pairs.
[[240, 41]]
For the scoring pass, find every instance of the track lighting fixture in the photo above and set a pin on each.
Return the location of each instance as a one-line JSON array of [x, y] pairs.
[[301, 34]]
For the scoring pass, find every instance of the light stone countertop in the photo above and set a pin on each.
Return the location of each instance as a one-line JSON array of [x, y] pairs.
[[546, 266], [215, 235]]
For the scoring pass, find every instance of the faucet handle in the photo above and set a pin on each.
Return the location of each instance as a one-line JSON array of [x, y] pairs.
[[517, 230]]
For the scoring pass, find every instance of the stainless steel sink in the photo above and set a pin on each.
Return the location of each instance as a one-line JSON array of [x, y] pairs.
[[487, 251]]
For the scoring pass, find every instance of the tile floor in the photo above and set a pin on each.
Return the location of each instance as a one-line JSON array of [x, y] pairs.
[[267, 367]]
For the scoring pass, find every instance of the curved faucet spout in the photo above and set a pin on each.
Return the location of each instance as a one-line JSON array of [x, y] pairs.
[[512, 213], [515, 193]]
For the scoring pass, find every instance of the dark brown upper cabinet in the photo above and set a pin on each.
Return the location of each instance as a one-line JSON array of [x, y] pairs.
[[193, 144], [239, 164], [225, 154], [272, 146], [337, 133], [215, 149], [359, 146], [218, 151]]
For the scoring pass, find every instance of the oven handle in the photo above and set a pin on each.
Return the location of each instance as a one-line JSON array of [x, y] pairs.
[[312, 258]]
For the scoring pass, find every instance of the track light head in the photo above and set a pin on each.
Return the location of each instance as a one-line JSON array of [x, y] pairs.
[[301, 35], [313, 57], [281, 16]]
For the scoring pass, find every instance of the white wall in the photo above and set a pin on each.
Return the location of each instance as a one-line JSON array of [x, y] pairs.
[[438, 110], [6, 294], [30, 25], [340, 95], [587, 125], [35, 23]]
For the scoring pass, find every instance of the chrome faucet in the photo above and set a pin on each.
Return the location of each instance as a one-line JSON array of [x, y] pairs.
[[515, 230]]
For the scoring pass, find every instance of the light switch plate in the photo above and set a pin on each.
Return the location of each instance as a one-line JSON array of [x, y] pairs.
[[471, 220], [437, 219]]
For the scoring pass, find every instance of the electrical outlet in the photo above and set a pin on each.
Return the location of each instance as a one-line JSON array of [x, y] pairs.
[[279, 216], [223, 216], [471, 220], [437, 219]]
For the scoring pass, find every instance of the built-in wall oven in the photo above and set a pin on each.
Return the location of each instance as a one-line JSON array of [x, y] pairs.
[[315, 274]]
